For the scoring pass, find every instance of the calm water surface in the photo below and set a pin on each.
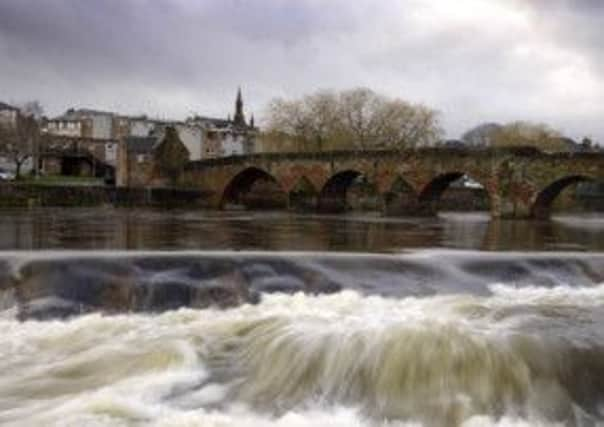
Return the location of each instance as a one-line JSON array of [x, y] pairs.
[[274, 231]]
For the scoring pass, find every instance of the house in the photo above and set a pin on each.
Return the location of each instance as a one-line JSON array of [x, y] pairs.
[[223, 138], [78, 156], [135, 161], [148, 161], [83, 123], [8, 114]]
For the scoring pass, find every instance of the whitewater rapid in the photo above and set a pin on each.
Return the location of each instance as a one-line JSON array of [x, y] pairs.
[[513, 354]]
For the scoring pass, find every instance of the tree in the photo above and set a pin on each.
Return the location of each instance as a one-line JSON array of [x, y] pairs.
[[522, 133], [171, 155], [357, 118], [402, 125], [361, 110], [516, 134], [374, 121], [310, 121], [32, 108], [482, 135], [19, 141]]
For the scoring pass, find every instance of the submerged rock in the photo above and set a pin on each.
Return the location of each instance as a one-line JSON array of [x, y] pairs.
[[59, 288], [51, 308], [173, 290]]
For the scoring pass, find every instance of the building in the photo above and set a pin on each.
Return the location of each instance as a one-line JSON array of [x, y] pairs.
[[78, 156], [223, 138], [8, 114], [135, 161], [81, 142], [88, 142], [83, 123], [140, 159]]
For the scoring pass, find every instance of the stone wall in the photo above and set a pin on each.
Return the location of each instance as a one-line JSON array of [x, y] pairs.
[[22, 195]]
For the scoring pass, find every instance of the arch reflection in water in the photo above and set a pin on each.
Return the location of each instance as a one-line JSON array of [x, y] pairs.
[[180, 229]]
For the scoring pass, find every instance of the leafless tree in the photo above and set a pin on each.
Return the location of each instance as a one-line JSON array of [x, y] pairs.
[[361, 110], [357, 118], [20, 141], [522, 133], [310, 121], [517, 134], [482, 135]]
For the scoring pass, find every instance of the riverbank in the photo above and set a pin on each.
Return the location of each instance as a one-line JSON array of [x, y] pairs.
[[27, 194]]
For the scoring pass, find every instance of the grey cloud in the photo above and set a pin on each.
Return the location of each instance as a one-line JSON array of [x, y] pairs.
[[172, 56]]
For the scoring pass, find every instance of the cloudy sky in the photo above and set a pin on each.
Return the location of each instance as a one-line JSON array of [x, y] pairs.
[[473, 60]]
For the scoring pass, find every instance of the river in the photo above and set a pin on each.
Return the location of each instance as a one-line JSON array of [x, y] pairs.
[[185, 318]]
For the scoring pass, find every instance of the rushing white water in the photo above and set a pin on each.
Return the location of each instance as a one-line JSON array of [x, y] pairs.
[[511, 358]]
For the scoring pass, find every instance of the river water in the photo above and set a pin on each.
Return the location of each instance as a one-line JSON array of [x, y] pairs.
[[180, 318]]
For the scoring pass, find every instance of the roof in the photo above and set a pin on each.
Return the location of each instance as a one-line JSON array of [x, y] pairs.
[[4, 106], [73, 114], [140, 144], [212, 120]]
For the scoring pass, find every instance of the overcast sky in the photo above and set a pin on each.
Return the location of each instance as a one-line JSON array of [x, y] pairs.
[[473, 60]]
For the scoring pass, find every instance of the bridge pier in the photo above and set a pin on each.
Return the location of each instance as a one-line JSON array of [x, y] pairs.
[[510, 207]]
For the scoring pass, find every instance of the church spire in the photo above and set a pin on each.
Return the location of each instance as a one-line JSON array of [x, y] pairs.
[[239, 118]]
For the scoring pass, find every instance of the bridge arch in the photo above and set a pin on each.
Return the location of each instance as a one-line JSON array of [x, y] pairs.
[[430, 196], [541, 208], [240, 186], [333, 195]]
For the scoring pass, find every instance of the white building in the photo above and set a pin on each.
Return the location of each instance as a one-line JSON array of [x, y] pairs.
[[8, 114], [65, 127], [141, 126], [82, 123]]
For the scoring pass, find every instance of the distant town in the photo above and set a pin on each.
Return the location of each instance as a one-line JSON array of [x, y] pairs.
[[86, 142]]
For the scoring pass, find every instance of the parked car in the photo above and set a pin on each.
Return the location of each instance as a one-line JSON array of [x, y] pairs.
[[6, 175]]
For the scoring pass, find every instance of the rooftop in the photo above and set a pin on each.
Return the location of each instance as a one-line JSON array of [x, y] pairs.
[[74, 114], [4, 106]]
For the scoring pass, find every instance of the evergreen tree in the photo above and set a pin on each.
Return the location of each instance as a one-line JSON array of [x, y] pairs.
[[171, 155]]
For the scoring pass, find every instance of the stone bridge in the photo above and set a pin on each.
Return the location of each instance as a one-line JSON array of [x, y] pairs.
[[519, 182]]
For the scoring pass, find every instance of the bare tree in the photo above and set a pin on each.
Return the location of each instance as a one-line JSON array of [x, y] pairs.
[[18, 141], [400, 124], [522, 133], [310, 121], [517, 134], [357, 118], [323, 117], [32, 108], [360, 111], [482, 135]]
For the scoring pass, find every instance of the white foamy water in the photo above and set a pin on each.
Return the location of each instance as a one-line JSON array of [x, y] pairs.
[[298, 360]]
